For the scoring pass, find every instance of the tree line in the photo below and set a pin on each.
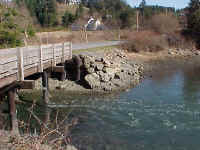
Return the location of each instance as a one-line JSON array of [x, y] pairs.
[[113, 12]]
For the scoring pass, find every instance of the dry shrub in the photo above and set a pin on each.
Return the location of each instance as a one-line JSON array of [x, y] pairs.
[[164, 24], [177, 40], [145, 41]]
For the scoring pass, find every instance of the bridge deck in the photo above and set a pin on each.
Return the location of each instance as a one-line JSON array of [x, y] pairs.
[[18, 63]]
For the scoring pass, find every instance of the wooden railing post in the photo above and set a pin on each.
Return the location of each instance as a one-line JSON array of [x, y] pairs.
[[20, 62], [63, 53], [54, 56], [70, 50], [40, 65]]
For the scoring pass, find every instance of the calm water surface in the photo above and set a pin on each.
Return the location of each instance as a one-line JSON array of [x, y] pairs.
[[162, 113]]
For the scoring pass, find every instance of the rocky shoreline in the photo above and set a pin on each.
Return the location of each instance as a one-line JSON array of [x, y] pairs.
[[115, 69], [102, 72]]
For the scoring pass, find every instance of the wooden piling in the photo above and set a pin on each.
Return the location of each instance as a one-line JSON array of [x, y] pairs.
[[78, 63], [45, 87], [63, 76], [13, 115]]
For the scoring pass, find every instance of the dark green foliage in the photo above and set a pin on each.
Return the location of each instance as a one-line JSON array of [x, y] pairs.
[[193, 16], [44, 10], [9, 38], [10, 33], [68, 19], [79, 11], [127, 19], [30, 31]]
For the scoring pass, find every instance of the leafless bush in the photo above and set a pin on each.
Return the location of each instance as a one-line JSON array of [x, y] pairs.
[[145, 41], [54, 134], [164, 24]]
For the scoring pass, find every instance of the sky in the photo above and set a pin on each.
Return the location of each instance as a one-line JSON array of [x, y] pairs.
[[170, 3]]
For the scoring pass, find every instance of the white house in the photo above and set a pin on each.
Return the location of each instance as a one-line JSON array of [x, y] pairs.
[[93, 24], [73, 2]]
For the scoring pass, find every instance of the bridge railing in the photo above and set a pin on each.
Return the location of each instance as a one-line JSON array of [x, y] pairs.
[[17, 60]]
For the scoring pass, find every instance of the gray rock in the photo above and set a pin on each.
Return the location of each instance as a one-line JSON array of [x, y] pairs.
[[93, 80], [171, 53], [98, 59], [104, 77], [87, 60], [121, 75], [107, 86], [111, 71], [90, 70], [106, 62], [197, 53], [99, 66], [117, 82]]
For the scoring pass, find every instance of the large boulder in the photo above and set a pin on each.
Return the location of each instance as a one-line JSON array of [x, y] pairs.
[[104, 77], [90, 70], [111, 71], [106, 62], [87, 60], [93, 80], [121, 76], [99, 66]]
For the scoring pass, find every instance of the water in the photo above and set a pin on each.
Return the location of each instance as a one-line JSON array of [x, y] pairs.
[[162, 113]]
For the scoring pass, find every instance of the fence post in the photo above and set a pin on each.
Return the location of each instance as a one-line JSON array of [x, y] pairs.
[[40, 59], [54, 56], [70, 50], [63, 53], [20, 62]]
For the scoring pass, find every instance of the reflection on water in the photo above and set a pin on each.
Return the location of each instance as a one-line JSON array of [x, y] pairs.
[[162, 113]]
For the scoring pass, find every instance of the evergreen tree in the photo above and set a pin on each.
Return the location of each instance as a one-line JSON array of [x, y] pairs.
[[79, 11], [44, 10], [68, 19], [142, 4], [193, 16]]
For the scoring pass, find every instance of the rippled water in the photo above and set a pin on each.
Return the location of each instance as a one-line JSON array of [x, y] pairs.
[[162, 113]]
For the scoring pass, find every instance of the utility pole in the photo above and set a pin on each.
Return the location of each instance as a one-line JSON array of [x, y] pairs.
[[166, 11], [137, 15], [47, 20]]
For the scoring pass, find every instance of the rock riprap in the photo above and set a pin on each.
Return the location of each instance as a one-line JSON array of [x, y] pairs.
[[110, 72]]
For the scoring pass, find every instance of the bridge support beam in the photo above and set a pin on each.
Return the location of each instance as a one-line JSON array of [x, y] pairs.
[[27, 84], [13, 115], [60, 69], [45, 87]]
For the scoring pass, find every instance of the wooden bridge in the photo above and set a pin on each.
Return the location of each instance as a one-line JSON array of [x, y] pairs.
[[18, 63]]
